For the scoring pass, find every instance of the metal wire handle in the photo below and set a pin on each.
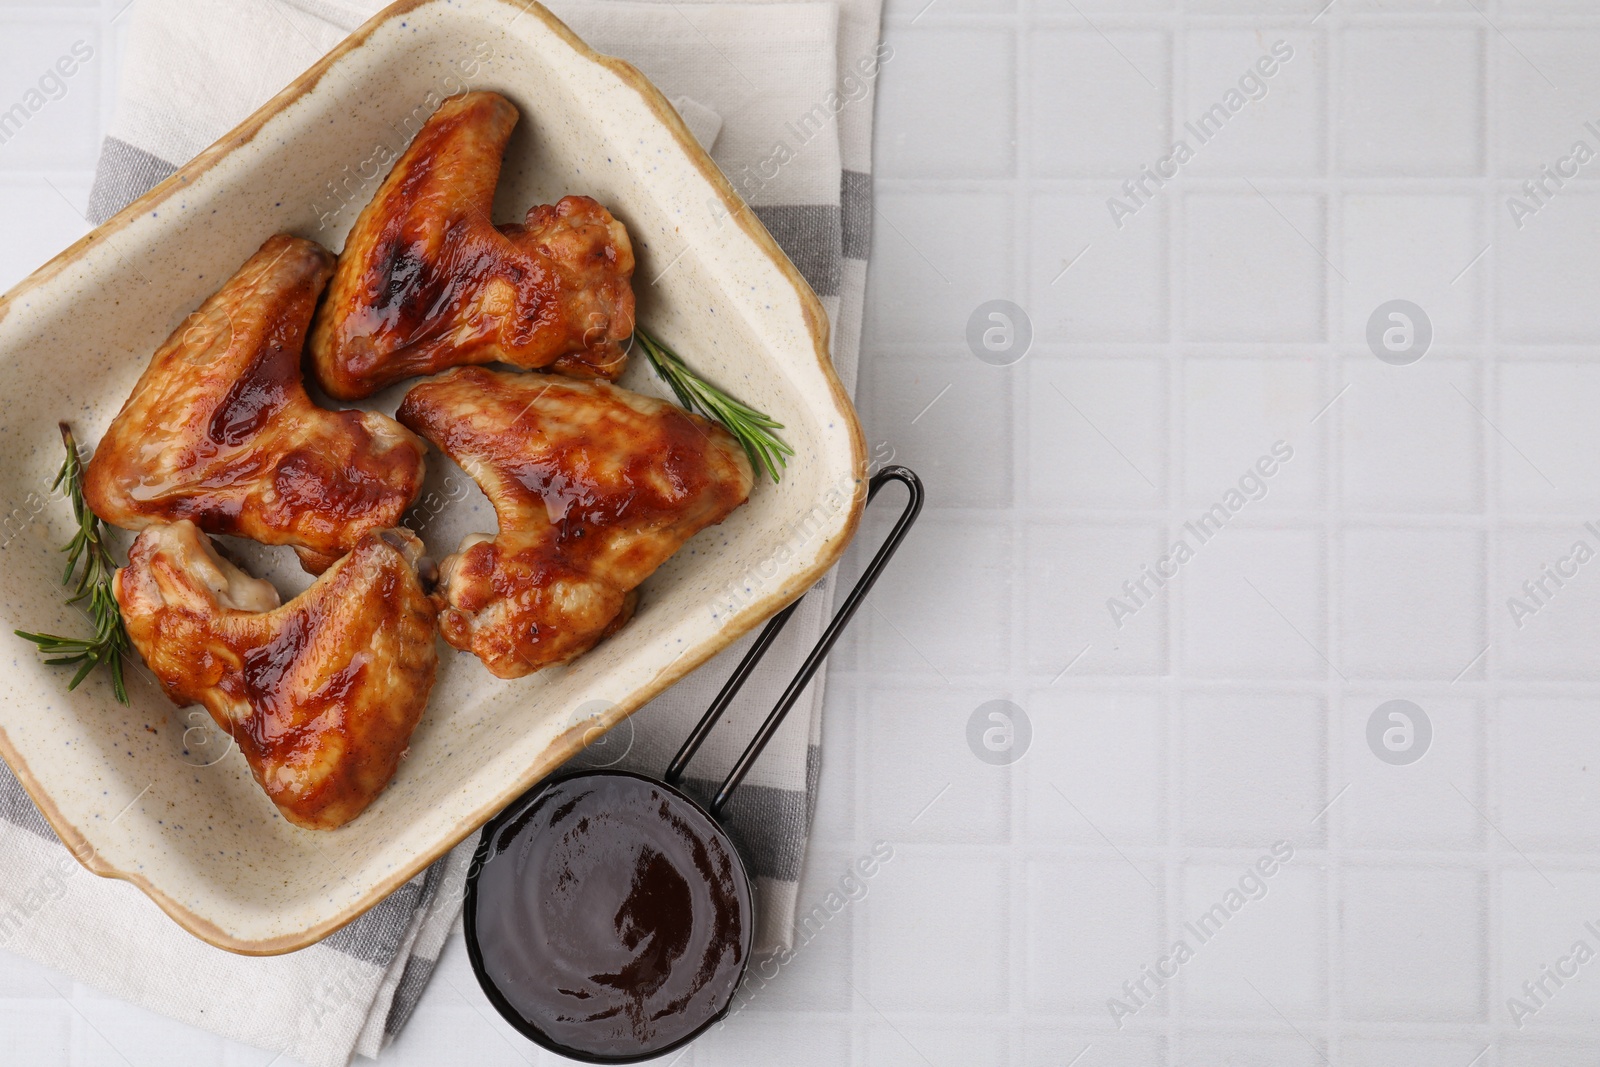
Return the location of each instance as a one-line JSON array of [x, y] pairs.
[[905, 476]]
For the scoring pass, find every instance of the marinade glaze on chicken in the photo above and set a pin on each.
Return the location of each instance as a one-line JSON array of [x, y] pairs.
[[594, 488], [427, 282], [321, 694], [219, 429]]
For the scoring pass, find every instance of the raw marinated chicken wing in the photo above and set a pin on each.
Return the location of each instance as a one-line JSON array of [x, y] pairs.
[[594, 487], [322, 693], [219, 430], [427, 282]]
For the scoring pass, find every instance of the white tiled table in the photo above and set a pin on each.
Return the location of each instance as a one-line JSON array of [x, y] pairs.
[[1230, 709]]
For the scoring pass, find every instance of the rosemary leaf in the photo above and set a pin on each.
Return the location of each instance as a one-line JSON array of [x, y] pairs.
[[90, 560], [751, 428]]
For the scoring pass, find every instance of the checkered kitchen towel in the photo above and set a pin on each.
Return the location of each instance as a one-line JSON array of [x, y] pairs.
[[782, 92]]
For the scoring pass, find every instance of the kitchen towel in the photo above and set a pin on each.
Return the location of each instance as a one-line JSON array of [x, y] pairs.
[[782, 94]]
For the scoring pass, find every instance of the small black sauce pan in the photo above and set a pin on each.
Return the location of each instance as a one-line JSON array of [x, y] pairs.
[[587, 890]]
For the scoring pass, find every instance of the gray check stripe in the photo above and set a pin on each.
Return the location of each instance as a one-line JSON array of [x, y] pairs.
[[809, 234], [815, 236], [17, 807], [855, 198], [813, 781], [408, 993], [123, 175], [376, 936], [768, 825]]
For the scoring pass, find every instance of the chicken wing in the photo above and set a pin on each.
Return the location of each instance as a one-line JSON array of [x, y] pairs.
[[427, 282], [321, 694], [594, 487], [219, 430]]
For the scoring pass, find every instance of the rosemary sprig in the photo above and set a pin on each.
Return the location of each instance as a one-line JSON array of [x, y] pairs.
[[88, 550], [751, 428]]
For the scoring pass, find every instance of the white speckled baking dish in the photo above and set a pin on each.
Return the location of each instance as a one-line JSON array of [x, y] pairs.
[[125, 787]]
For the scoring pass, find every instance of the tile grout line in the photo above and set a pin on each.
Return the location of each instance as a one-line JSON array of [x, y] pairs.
[[1175, 212], [1332, 438], [1490, 454], [1023, 284]]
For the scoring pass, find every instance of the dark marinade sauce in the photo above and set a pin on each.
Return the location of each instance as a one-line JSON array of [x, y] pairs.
[[611, 916]]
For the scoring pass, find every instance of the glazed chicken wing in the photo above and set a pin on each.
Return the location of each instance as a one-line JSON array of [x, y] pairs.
[[322, 693], [219, 430], [594, 487], [427, 281]]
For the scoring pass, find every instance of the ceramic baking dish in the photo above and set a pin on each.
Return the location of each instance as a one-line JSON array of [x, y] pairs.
[[137, 791]]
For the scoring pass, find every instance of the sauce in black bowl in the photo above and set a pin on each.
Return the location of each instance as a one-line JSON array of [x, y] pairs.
[[609, 913]]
